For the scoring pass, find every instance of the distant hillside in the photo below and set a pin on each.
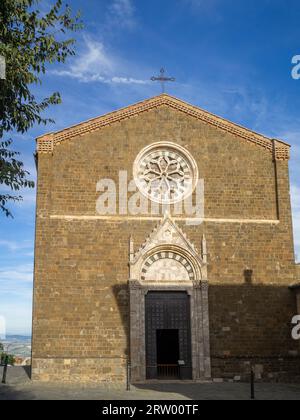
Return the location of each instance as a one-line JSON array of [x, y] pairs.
[[18, 345], [17, 338]]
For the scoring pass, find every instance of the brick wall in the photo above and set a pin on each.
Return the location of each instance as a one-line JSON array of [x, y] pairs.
[[80, 327]]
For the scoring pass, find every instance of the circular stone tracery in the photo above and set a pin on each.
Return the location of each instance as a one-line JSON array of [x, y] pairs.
[[165, 172]]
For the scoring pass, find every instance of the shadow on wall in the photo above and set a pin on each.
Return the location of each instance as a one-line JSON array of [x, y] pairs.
[[121, 294], [27, 370], [249, 324]]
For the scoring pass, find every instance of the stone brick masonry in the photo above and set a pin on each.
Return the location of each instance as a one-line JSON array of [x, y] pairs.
[[81, 295]]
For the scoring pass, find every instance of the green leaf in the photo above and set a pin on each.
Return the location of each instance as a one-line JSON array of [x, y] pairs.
[[29, 40]]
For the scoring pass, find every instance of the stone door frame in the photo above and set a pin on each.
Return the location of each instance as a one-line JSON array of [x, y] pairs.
[[200, 341], [168, 242]]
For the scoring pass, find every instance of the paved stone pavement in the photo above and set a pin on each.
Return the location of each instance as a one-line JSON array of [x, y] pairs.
[[19, 387]]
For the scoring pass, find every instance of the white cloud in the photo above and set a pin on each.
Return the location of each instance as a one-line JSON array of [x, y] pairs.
[[17, 315], [22, 273], [121, 14], [27, 202], [92, 63], [28, 197], [95, 64], [128, 80], [209, 8], [16, 246], [291, 136]]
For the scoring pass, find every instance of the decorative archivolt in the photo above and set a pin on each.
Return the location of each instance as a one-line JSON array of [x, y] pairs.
[[167, 266]]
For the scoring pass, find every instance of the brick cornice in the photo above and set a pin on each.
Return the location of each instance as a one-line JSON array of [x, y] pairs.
[[46, 143]]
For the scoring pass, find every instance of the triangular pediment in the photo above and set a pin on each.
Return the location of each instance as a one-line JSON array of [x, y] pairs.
[[167, 254], [166, 233], [46, 143]]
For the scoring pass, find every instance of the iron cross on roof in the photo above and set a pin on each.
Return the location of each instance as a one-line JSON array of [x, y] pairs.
[[162, 79]]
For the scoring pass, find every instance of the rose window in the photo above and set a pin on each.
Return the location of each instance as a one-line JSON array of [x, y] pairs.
[[165, 173]]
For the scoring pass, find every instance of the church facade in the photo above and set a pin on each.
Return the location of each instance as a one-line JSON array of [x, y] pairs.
[[164, 250]]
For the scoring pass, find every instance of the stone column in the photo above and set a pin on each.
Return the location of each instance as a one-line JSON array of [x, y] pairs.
[[137, 332], [197, 333], [206, 336], [200, 332]]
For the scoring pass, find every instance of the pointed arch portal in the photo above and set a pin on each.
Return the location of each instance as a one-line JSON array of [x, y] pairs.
[[169, 318]]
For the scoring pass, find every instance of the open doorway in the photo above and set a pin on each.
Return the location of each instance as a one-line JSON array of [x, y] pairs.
[[168, 335], [167, 350]]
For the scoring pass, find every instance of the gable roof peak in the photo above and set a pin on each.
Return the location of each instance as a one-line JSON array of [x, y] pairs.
[[47, 142]]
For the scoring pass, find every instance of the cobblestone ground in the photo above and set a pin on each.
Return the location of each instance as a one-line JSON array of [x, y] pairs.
[[19, 387]]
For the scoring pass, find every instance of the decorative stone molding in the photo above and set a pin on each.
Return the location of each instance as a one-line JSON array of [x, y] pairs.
[[168, 239], [204, 249], [204, 285], [170, 265], [46, 143], [131, 249], [280, 151], [135, 285]]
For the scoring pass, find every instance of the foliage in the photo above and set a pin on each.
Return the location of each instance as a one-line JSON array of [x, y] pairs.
[[12, 174], [30, 40], [7, 358]]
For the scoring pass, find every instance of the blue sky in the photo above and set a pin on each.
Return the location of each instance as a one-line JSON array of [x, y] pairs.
[[231, 58]]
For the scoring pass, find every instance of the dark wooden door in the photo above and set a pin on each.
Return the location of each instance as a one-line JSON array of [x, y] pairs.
[[168, 311]]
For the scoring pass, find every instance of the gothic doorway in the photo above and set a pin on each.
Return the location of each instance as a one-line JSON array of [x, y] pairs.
[[169, 303], [168, 335]]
